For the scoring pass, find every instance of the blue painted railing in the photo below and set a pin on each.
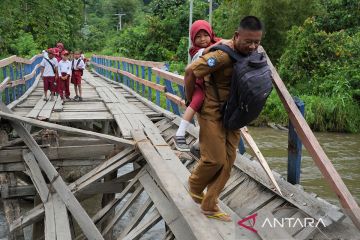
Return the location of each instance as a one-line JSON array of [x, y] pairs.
[[150, 79], [17, 75]]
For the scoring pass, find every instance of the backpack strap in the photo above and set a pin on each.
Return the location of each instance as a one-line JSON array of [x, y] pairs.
[[225, 48], [52, 66], [78, 62], [233, 55]]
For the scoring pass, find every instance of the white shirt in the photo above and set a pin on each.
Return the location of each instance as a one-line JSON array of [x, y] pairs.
[[64, 67], [76, 66], [198, 54], [48, 71]]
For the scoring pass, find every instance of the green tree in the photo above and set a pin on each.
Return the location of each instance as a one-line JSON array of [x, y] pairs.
[[324, 65], [25, 45], [278, 17]]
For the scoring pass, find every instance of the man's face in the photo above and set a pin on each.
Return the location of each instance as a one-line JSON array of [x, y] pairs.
[[247, 41]]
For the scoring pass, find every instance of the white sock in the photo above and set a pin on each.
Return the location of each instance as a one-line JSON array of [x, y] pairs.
[[182, 128]]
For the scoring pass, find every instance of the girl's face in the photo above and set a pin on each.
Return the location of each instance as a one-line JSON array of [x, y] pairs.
[[202, 39]]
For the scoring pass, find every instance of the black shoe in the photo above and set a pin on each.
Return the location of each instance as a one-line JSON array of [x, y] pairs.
[[195, 151], [80, 99], [180, 144]]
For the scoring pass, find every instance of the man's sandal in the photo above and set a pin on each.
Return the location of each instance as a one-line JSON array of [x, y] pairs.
[[180, 144], [221, 216]]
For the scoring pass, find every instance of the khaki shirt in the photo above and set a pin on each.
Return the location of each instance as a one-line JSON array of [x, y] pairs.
[[222, 71]]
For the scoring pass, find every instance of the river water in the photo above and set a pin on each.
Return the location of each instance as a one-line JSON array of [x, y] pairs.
[[342, 149]]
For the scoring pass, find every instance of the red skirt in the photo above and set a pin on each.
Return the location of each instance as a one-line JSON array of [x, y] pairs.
[[76, 77]]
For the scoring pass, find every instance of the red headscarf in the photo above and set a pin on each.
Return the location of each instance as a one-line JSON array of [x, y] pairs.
[[195, 28]]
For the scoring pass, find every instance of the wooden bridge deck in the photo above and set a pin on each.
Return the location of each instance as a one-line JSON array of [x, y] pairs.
[[138, 133]]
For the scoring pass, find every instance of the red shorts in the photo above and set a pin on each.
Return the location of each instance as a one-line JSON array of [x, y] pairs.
[[49, 83], [198, 95], [76, 77]]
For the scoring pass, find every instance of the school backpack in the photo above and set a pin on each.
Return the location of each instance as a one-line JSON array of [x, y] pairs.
[[251, 84]]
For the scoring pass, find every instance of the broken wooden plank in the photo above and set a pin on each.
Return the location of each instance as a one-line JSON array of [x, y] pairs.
[[153, 218], [36, 176], [58, 153], [58, 105], [80, 116], [11, 206], [176, 190], [137, 218], [50, 226], [36, 110], [65, 129], [46, 110], [122, 210], [62, 225], [167, 210], [292, 194], [19, 140], [59, 185], [260, 157]]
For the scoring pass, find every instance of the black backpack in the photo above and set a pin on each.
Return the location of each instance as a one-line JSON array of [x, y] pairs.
[[251, 84]]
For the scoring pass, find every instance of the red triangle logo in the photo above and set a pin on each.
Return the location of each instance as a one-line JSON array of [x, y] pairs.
[[248, 227]]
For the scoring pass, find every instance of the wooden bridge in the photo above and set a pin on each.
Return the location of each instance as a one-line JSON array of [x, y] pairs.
[[119, 141]]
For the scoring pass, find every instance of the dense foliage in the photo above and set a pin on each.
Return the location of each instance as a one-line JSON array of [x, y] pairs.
[[321, 64], [44, 21], [313, 43]]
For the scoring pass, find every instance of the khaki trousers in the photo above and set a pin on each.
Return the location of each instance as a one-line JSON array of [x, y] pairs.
[[218, 153]]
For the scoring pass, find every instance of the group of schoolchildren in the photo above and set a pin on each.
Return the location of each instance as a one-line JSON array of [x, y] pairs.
[[57, 71]]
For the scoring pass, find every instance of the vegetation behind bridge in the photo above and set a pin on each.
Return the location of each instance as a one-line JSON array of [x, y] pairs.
[[313, 43]]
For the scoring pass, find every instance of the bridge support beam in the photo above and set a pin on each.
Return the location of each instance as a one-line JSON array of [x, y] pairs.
[[294, 148]]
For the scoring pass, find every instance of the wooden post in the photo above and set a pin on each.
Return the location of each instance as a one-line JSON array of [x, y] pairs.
[[169, 89], [137, 83], [143, 77], [241, 146], [157, 92], [12, 79], [105, 127], [294, 149], [149, 88]]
